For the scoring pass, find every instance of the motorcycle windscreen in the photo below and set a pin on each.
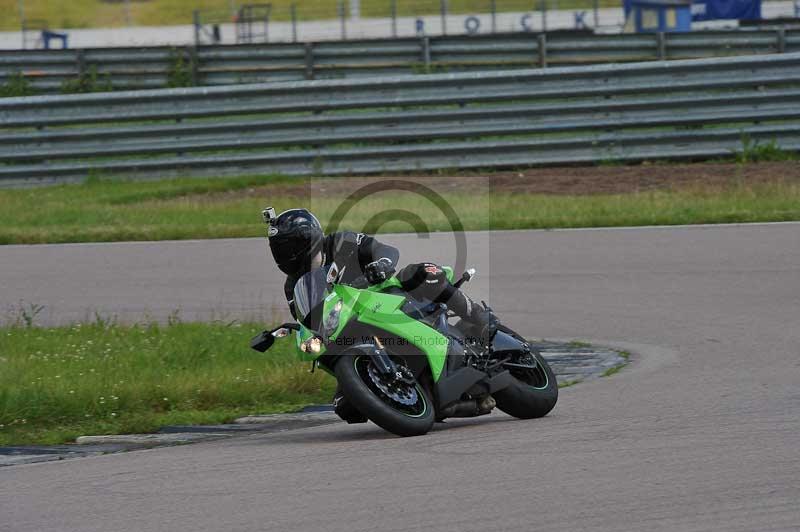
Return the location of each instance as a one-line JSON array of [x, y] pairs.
[[309, 297]]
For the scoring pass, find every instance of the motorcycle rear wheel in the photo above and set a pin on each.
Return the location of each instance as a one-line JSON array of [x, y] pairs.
[[358, 386], [532, 394]]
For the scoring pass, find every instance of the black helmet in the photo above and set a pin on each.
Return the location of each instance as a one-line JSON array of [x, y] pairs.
[[295, 237]]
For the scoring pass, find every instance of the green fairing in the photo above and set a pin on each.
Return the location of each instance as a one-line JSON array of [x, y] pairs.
[[448, 272], [390, 318], [382, 311]]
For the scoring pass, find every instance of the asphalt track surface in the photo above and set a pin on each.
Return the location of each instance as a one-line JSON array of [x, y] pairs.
[[700, 432]]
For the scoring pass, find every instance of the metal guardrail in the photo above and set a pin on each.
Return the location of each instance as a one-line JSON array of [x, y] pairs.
[[143, 68], [679, 109]]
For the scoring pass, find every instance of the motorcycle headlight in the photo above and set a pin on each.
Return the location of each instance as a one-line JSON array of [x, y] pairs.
[[332, 319], [313, 345]]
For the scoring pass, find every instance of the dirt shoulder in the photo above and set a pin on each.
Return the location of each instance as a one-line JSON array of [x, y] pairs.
[[627, 179], [577, 181]]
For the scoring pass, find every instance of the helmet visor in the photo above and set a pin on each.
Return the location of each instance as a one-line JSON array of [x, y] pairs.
[[293, 254]]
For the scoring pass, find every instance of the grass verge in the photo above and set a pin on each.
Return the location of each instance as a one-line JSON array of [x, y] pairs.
[[105, 378], [103, 14], [99, 211]]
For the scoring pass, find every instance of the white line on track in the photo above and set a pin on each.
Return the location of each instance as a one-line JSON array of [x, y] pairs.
[[561, 229]]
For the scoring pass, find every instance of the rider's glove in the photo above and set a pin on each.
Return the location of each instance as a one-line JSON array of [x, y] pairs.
[[379, 270]]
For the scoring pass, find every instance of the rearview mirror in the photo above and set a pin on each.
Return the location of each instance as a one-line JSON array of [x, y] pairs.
[[264, 340]]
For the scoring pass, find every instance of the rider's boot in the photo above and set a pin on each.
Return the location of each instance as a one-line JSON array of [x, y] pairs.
[[345, 410], [484, 322], [485, 405]]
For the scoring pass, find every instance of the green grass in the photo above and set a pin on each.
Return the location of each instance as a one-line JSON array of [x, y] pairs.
[[16, 85], [103, 378], [754, 152], [616, 369], [98, 14], [218, 208], [612, 371], [579, 343]]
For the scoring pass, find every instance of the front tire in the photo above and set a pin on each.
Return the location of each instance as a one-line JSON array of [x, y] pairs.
[[532, 394], [358, 384]]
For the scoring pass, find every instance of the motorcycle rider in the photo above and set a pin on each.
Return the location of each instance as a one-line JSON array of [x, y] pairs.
[[298, 245]]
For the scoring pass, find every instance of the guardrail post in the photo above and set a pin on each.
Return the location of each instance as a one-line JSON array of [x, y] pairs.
[[426, 53], [293, 11], [661, 44], [542, 46], [196, 24], [493, 7], [543, 9], [443, 12], [179, 120], [191, 51], [309, 60], [80, 62], [781, 36], [342, 18], [394, 18]]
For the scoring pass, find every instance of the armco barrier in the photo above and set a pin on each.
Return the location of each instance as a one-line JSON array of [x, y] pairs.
[[678, 109], [147, 68]]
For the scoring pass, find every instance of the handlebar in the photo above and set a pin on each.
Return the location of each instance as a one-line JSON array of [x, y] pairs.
[[466, 276]]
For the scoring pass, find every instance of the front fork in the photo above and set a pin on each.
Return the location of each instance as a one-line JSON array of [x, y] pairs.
[[384, 363]]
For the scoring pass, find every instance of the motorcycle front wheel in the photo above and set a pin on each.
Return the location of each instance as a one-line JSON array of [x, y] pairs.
[[398, 406]]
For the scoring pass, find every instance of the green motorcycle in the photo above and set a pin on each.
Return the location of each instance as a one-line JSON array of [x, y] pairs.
[[402, 364]]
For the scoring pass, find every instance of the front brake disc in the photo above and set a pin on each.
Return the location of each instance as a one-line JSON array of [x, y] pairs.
[[398, 390]]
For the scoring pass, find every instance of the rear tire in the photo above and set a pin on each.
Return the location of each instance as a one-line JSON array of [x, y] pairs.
[[361, 392], [532, 394]]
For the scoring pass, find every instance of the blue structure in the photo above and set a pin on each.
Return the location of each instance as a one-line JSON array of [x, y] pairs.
[[651, 16], [49, 36], [700, 10], [726, 9]]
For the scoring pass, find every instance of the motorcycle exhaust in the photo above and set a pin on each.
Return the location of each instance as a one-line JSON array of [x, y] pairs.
[[469, 408]]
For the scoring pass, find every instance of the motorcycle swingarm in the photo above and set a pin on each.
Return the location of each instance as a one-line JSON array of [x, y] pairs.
[[500, 381], [469, 380]]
